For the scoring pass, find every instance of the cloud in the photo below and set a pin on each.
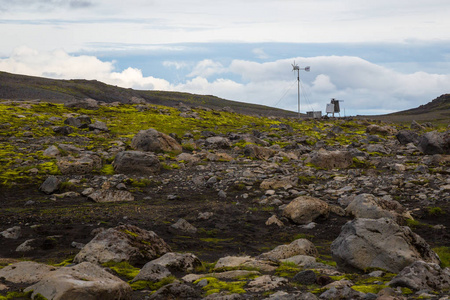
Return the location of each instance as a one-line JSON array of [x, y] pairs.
[[260, 53], [365, 87], [43, 5]]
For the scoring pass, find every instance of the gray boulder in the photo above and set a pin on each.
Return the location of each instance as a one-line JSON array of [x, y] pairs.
[[11, 233], [123, 243], [101, 196], [51, 151], [98, 125], [297, 247], [152, 272], [306, 277], [218, 142], [63, 130], [184, 226], [305, 209], [379, 243], [50, 185], [175, 291], [136, 162], [83, 281], [423, 276], [370, 207], [155, 141], [84, 164], [184, 262], [266, 283], [435, 143], [330, 159], [258, 152], [405, 137], [25, 272]]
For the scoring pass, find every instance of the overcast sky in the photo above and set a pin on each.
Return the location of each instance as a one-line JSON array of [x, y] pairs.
[[378, 56]]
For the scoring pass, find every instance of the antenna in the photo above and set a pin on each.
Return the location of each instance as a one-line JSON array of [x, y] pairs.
[[295, 67]]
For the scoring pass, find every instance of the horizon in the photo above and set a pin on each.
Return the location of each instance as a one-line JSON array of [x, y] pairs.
[[379, 57]]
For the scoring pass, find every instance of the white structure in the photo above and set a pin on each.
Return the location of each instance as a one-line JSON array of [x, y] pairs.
[[334, 107], [314, 114], [297, 68]]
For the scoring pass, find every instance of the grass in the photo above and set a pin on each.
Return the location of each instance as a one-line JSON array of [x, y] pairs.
[[287, 269], [216, 286], [149, 285], [123, 269], [444, 254]]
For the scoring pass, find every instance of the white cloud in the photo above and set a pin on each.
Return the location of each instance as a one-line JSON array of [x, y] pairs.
[[176, 64], [365, 87]]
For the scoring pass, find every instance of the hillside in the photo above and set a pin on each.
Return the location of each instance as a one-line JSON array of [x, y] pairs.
[[21, 87]]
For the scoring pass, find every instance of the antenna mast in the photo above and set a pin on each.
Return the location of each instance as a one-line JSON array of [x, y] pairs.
[[297, 68]]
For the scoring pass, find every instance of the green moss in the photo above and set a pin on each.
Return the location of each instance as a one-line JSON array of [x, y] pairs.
[[435, 211], [306, 179], [287, 269], [406, 291], [215, 240], [123, 269], [107, 170], [216, 286], [18, 295], [141, 284], [361, 164], [205, 267], [64, 263], [369, 288], [444, 255]]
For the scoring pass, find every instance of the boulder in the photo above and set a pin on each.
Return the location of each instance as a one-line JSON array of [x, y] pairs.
[[277, 183], [383, 130], [244, 262], [152, 272], [258, 152], [181, 262], [51, 151], [300, 260], [101, 196], [306, 277], [175, 291], [379, 243], [26, 272], [50, 185], [84, 164], [416, 126], [435, 143], [136, 162], [11, 233], [370, 207], [123, 243], [266, 283], [155, 141], [330, 159], [83, 281], [218, 142], [342, 293], [184, 226], [98, 125], [405, 137], [297, 247], [423, 276], [87, 103], [63, 130], [305, 209]]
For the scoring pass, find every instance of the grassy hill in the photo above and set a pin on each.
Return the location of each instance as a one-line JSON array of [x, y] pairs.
[[21, 87]]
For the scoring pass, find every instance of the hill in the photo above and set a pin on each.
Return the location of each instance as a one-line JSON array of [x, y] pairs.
[[21, 87]]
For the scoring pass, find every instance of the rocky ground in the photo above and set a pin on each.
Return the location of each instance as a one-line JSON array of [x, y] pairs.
[[213, 204]]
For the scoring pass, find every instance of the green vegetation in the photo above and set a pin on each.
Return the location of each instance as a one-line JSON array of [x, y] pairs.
[[18, 295], [216, 286], [444, 255], [435, 211], [123, 269], [142, 284], [287, 269]]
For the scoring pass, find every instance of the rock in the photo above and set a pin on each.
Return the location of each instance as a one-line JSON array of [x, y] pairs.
[[300, 260], [341, 293], [305, 209], [380, 243], [205, 215], [218, 142], [220, 275], [155, 141], [181, 262], [383, 130], [25, 272], [297, 247], [26, 246], [258, 152], [98, 125], [244, 262], [87, 103], [175, 291], [185, 226], [423, 276], [330, 159], [370, 207], [101, 196], [123, 243], [152, 272], [85, 164], [266, 283], [51, 151], [76, 245], [274, 220], [83, 281], [305, 277], [63, 130], [187, 158], [376, 148], [416, 126], [50, 185], [407, 136], [276, 183], [282, 295], [136, 162], [435, 143], [71, 121], [12, 233]]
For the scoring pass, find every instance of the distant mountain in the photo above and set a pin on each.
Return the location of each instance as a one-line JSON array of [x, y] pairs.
[[21, 87]]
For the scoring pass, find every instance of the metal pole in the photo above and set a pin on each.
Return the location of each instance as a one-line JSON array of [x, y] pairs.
[[298, 91]]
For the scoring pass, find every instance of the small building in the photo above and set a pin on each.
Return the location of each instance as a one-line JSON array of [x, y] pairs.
[[314, 114]]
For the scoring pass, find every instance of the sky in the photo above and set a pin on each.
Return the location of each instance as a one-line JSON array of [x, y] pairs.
[[378, 56]]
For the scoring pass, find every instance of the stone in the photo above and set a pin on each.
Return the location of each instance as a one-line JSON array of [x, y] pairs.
[[180, 262], [123, 243], [87, 103], [63, 130], [276, 183], [220, 275], [416, 126], [300, 260], [152, 272], [175, 291], [258, 152], [297, 247], [205, 215], [12, 233], [26, 246], [379, 243], [274, 220], [84, 164], [218, 142], [383, 130], [184, 226], [330, 159], [341, 293], [305, 209], [187, 158], [370, 207], [435, 143], [245, 262], [102, 196], [25, 272], [151, 140], [306, 277], [71, 121], [83, 281], [51, 151], [98, 125], [405, 137], [50, 185], [266, 283], [422, 276], [136, 162]]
